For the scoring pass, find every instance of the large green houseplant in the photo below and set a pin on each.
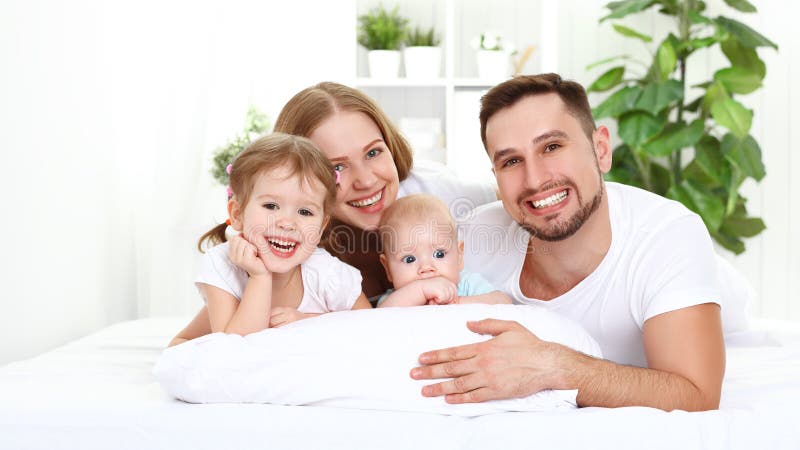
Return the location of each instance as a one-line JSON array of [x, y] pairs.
[[688, 143]]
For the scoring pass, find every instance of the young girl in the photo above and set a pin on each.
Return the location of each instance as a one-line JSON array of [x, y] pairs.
[[271, 273]]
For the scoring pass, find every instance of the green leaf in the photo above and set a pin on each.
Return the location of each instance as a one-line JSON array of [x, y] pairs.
[[618, 103], [607, 80], [606, 61], [714, 94], [694, 105], [625, 31], [708, 156], [697, 18], [732, 115], [741, 5], [738, 80], [660, 178], [666, 59], [703, 202], [702, 42], [730, 242], [745, 35], [741, 56], [626, 7], [674, 137], [637, 127], [742, 226], [694, 172], [657, 96], [745, 154]]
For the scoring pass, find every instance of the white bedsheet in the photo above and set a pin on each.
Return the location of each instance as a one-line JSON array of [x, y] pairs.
[[98, 393]]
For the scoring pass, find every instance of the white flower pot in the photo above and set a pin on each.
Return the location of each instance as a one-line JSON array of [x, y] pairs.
[[384, 63], [422, 62], [493, 64]]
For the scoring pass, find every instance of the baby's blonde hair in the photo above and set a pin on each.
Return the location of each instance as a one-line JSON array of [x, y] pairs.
[[415, 207]]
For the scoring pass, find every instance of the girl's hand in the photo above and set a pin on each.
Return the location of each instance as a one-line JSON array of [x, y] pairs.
[[246, 256], [281, 315]]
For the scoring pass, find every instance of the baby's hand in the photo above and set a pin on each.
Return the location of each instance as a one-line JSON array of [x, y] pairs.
[[439, 291], [245, 255], [281, 315]]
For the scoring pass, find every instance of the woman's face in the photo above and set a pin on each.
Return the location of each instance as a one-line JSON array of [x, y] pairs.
[[368, 176]]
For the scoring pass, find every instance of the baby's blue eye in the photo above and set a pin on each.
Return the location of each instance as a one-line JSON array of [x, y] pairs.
[[409, 259], [439, 254]]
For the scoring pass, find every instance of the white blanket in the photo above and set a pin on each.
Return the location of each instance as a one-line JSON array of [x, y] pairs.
[[355, 359]]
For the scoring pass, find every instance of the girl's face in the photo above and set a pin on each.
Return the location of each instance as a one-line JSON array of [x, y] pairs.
[[369, 181], [284, 218]]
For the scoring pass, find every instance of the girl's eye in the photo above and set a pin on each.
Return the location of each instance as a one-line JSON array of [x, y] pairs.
[[374, 152], [338, 167], [270, 206], [305, 212], [409, 259], [439, 254], [551, 147]]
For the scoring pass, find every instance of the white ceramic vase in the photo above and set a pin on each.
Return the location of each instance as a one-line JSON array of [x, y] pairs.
[[422, 62], [493, 64], [384, 63]]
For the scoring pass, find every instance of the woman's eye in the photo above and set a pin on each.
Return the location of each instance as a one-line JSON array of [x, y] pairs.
[[270, 206], [374, 152], [409, 259], [305, 212], [338, 167], [439, 254]]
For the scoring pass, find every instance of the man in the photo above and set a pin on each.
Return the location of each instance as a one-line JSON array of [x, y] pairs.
[[636, 270]]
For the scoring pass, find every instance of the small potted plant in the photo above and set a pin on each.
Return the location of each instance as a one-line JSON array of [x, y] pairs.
[[382, 32], [493, 55], [422, 55], [256, 124]]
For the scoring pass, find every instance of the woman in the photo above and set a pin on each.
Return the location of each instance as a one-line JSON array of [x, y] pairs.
[[376, 167]]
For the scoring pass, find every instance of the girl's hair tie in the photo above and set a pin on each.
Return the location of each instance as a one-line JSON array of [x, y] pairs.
[[228, 169]]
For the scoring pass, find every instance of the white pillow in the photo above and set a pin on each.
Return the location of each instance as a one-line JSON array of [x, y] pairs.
[[356, 359]]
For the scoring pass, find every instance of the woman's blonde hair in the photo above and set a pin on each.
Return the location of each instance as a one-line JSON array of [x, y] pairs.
[[270, 152], [306, 111]]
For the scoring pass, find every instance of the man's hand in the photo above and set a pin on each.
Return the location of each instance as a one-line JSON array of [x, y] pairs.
[[515, 363]]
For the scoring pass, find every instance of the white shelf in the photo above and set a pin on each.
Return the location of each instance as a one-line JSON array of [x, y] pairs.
[[400, 82]]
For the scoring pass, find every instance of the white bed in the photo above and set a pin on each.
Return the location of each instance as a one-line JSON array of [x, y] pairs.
[[99, 392]]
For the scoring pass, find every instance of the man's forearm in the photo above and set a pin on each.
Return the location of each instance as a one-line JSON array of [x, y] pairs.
[[607, 384]]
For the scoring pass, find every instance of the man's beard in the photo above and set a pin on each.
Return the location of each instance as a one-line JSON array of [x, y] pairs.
[[562, 229]]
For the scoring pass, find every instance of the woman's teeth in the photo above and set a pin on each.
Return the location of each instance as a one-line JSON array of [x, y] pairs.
[[281, 245], [368, 201], [549, 201]]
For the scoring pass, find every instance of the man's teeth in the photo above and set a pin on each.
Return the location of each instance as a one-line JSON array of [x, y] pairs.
[[549, 201], [281, 245], [368, 201]]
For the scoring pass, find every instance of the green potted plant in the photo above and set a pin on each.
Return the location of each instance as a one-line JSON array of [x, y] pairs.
[[381, 32], [422, 54], [493, 53], [256, 124], [688, 143]]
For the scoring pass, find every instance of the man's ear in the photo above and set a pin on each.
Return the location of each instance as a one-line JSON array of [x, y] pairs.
[[460, 256], [602, 148], [385, 264], [235, 214]]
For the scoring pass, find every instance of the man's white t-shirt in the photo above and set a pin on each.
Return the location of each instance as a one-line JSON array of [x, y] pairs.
[[661, 259], [328, 283]]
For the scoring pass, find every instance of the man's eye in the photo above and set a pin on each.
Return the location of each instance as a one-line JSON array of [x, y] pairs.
[[374, 152], [409, 259], [551, 147], [270, 206], [510, 162], [305, 212], [439, 254]]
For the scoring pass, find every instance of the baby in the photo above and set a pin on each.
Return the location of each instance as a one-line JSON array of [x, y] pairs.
[[423, 257]]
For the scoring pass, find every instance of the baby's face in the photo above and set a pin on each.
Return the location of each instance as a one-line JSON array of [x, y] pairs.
[[422, 249]]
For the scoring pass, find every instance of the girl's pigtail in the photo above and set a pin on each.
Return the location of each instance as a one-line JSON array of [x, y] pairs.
[[213, 237]]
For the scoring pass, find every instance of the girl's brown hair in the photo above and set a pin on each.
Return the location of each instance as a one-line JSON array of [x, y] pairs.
[[269, 152], [310, 107]]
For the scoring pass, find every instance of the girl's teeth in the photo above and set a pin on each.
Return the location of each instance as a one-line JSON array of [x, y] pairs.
[[549, 201], [367, 202], [282, 246]]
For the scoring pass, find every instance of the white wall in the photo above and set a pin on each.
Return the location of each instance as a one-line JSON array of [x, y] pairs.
[[108, 115]]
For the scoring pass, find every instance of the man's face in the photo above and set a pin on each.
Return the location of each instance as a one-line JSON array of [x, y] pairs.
[[548, 171]]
